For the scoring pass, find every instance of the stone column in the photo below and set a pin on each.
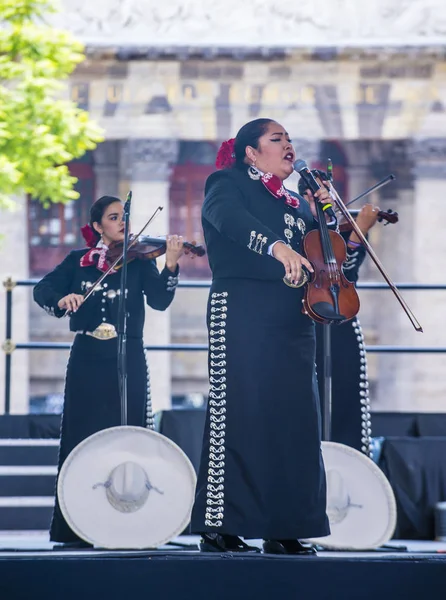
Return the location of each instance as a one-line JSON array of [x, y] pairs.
[[394, 373], [106, 168], [145, 167], [358, 171], [14, 264], [429, 252]]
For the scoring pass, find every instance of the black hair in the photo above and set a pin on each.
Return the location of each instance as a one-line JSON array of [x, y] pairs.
[[249, 135], [98, 208], [302, 186]]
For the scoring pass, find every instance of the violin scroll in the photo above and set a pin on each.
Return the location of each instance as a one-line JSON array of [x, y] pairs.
[[389, 216]]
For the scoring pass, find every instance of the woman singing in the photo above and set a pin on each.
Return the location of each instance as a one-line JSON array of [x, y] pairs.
[[92, 400], [261, 473]]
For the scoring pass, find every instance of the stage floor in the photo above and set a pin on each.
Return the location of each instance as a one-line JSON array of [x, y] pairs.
[[30, 569], [31, 542]]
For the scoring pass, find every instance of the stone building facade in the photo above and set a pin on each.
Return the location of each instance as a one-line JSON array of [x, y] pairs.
[[169, 83]]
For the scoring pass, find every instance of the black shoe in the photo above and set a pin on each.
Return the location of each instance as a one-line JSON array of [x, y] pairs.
[[80, 545], [287, 547], [219, 542]]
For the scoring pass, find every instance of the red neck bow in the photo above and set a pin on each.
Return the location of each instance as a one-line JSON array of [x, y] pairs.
[[97, 256], [275, 186]]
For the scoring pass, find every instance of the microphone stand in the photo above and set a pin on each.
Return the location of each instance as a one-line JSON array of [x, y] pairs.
[[122, 317], [327, 380]]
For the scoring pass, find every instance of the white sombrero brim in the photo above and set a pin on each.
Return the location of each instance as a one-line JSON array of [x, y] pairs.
[[356, 485], [89, 513]]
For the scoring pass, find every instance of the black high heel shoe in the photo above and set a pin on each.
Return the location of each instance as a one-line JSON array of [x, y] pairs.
[[220, 542], [80, 545], [287, 547]]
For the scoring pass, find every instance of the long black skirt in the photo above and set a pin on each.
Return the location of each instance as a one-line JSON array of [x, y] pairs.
[[261, 472], [92, 401], [350, 407]]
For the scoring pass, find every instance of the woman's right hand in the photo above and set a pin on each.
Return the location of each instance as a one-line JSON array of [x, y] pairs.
[[292, 261], [71, 302]]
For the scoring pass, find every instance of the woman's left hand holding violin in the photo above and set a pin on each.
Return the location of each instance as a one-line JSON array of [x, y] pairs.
[[174, 249], [365, 221], [322, 195]]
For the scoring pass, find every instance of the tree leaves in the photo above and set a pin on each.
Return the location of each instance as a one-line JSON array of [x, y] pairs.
[[39, 129]]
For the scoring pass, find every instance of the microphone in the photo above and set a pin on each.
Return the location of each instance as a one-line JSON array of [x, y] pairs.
[[127, 204], [301, 167]]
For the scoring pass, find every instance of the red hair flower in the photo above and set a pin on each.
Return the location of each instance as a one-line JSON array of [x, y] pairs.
[[225, 155], [90, 236]]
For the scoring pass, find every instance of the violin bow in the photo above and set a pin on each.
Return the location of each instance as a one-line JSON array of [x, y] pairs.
[[108, 271], [375, 187], [343, 209]]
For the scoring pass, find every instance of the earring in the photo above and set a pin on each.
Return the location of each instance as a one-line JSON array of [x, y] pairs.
[[253, 173]]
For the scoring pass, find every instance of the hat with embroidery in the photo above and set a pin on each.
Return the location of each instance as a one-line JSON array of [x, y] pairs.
[[361, 506], [127, 487]]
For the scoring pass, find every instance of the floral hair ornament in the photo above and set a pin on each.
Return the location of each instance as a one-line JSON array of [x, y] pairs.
[[90, 236], [226, 155]]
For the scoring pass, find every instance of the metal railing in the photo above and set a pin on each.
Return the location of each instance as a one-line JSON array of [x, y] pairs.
[[9, 346]]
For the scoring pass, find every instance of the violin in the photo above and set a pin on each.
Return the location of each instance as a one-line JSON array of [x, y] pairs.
[[388, 216], [145, 248], [320, 305], [329, 297], [155, 246]]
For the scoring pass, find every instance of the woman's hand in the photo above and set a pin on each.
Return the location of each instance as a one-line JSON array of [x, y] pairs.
[[174, 249], [70, 302], [322, 195], [292, 261], [368, 215]]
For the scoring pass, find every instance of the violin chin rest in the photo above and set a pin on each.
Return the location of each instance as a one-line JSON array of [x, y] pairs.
[[327, 311]]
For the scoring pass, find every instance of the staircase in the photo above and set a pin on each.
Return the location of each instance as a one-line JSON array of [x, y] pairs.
[[27, 483]]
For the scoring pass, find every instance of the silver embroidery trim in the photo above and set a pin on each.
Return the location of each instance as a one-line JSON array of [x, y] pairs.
[[366, 423], [214, 513], [150, 421], [172, 282], [50, 310], [260, 241], [351, 260]]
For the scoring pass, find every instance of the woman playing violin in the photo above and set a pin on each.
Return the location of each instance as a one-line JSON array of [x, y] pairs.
[[350, 414], [261, 473], [92, 400]]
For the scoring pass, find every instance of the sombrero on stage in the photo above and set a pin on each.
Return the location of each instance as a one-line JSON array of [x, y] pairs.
[[127, 487], [361, 505]]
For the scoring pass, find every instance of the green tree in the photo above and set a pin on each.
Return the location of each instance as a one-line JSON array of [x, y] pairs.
[[39, 130]]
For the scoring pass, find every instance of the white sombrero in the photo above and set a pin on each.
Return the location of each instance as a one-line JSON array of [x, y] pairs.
[[361, 505], [127, 487]]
